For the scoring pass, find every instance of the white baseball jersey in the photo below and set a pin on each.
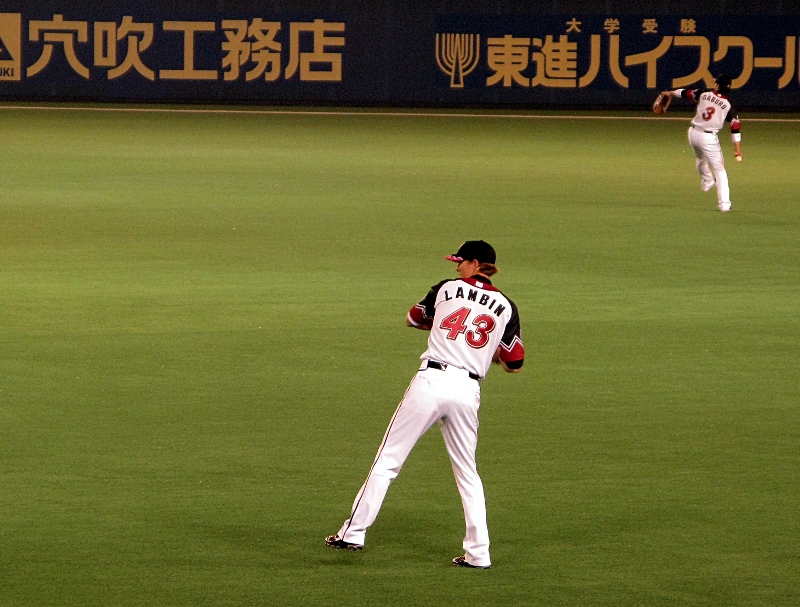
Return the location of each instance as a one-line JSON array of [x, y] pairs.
[[713, 110], [469, 319]]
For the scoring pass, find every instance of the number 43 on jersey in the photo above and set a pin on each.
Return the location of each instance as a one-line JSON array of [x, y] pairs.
[[476, 332]]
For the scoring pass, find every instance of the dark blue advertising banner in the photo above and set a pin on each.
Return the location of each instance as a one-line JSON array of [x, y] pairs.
[[548, 58], [137, 53]]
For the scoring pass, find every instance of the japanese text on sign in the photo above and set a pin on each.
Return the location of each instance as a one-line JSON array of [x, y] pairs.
[[573, 57], [252, 49]]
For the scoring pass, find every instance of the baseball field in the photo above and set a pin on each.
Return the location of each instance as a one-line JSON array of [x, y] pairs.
[[202, 336]]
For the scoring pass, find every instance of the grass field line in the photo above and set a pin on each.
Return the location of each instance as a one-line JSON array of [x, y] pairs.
[[379, 113]]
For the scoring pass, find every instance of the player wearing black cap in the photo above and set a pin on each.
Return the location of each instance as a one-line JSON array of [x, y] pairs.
[[713, 110], [471, 323]]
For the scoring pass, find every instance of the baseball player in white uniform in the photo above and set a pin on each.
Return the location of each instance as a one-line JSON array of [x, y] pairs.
[[713, 110], [471, 324]]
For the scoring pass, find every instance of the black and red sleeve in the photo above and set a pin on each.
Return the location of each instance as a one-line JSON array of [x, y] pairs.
[[733, 117], [693, 95], [421, 314], [512, 352]]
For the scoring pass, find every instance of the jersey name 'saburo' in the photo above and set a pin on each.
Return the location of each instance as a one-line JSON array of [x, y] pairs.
[[711, 98], [472, 295]]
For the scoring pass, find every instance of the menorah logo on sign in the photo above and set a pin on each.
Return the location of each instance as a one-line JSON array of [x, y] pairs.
[[457, 55]]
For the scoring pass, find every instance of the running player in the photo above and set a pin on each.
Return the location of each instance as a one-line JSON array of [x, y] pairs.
[[714, 109], [471, 323]]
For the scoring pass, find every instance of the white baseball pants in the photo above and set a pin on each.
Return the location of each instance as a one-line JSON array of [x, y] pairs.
[[709, 158], [451, 399]]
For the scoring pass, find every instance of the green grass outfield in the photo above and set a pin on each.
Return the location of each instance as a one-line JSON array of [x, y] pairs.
[[202, 337]]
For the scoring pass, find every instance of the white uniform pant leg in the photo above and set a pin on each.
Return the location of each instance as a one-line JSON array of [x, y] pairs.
[[713, 152], [723, 189], [460, 431], [416, 413], [706, 176], [709, 154]]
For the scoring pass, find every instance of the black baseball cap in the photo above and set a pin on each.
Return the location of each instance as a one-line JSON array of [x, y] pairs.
[[724, 81], [479, 250]]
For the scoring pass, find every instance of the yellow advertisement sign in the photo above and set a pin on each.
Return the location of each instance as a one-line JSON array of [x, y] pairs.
[[10, 46]]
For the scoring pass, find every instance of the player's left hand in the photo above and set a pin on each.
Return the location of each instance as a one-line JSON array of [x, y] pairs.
[[662, 102]]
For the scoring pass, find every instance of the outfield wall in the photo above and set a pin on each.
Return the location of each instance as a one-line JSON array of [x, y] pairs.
[[397, 53]]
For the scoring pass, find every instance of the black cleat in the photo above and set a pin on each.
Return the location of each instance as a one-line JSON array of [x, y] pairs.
[[461, 561], [335, 542]]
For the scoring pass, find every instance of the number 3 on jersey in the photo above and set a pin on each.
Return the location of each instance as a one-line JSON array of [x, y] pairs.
[[456, 323]]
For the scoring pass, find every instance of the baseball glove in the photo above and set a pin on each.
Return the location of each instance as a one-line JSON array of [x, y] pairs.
[[662, 102]]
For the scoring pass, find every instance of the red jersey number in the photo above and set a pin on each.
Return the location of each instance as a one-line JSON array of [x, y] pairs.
[[456, 323], [709, 112]]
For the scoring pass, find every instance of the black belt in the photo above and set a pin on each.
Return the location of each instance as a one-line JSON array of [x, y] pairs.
[[432, 364], [699, 129]]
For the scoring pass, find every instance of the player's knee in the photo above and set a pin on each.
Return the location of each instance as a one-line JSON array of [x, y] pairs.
[[387, 468]]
